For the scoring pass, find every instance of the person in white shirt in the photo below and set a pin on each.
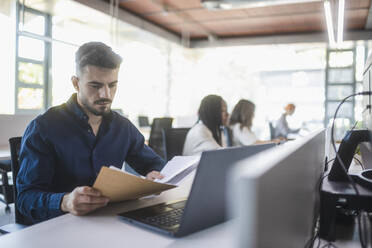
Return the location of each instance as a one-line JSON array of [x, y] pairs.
[[282, 129], [206, 133], [241, 124]]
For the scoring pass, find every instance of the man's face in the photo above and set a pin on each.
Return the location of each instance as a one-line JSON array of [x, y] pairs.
[[96, 88]]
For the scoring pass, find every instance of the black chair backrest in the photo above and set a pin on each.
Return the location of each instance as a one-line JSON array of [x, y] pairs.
[[156, 138], [174, 139], [272, 131], [15, 147], [143, 121]]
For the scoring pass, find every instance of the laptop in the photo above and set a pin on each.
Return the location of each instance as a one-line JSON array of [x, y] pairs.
[[206, 204]]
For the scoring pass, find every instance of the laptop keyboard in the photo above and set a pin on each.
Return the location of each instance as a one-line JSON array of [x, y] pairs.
[[168, 219]]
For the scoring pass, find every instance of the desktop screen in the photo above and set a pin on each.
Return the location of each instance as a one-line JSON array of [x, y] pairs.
[[274, 195]]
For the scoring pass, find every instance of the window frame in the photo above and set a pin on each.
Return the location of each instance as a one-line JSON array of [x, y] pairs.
[[46, 62]]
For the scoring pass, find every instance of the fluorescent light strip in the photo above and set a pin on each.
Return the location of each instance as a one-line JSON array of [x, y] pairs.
[[328, 15], [340, 21], [237, 4]]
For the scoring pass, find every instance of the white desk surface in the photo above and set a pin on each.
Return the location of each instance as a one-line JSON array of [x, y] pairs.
[[104, 229]]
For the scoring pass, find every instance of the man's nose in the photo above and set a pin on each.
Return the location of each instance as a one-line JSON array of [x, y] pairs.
[[105, 92]]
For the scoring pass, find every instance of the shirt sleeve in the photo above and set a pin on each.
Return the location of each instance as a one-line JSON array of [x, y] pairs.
[[282, 127], [246, 137], [34, 180], [141, 157], [199, 139]]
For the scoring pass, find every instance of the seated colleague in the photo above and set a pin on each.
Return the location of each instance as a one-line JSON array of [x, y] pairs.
[[241, 124], [282, 129], [63, 150], [206, 133]]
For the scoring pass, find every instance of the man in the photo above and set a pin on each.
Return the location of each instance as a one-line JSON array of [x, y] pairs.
[[282, 129], [63, 149]]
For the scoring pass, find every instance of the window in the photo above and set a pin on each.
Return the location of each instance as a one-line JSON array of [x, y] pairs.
[[33, 53]]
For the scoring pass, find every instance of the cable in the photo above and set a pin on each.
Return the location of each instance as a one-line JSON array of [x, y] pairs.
[[360, 163], [324, 176], [354, 126], [318, 243], [328, 245], [334, 145], [362, 228], [310, 243], [342, 163]]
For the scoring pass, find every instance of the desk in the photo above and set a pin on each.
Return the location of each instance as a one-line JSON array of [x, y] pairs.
[[104, 229]]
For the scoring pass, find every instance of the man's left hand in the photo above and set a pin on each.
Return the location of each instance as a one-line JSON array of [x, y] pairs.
[[154, 175]]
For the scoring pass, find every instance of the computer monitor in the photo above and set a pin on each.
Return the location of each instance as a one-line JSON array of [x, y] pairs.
[[274, 196]]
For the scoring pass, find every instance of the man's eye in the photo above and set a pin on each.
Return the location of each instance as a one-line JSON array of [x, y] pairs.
[[112, 86], [96, 86]]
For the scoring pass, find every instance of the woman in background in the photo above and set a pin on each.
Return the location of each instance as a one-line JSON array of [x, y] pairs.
[[206, 133], [241, 124]]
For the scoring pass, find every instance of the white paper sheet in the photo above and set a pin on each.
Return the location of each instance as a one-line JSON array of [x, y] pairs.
[[177, 168]]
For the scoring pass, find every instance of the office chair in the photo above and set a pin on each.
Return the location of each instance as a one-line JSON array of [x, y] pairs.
[[174, 139], [20, 222], [272, 130], [143, 121], [5, 189], [156, 137]]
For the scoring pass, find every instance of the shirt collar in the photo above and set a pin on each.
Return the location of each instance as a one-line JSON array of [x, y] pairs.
[[74, 107]]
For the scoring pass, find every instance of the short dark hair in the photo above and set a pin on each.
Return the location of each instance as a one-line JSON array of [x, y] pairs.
[[210, 112], [97, 54]]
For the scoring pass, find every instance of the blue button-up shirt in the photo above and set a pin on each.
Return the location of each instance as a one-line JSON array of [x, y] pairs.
[[59, 152]]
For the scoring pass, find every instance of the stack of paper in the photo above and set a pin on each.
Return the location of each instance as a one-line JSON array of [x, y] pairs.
[[177, 168], [119, 185]]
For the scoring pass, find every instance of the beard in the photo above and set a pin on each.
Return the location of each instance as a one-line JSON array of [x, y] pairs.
[[101, 109]]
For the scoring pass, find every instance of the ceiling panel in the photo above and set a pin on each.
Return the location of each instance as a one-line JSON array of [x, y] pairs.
[[141, 6], [189, 16]]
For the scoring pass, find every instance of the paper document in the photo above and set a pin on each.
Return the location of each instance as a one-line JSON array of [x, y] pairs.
[[177, 168], [119, 185]]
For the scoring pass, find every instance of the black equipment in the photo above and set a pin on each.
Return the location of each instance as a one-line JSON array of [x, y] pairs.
[[339, 202]]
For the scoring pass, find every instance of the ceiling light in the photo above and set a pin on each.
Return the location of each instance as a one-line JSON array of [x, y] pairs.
[[230, 4], [329, 21], [340, 21]]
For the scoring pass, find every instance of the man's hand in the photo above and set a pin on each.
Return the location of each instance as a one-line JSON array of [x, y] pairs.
[[83, 200], [154, 175]]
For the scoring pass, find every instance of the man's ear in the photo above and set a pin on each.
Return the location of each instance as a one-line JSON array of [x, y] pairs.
[[75, 82]]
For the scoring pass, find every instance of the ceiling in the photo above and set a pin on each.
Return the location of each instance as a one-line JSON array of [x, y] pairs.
[[188, 22]]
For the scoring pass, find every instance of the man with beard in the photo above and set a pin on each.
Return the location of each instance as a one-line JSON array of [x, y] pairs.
[[63, 149]]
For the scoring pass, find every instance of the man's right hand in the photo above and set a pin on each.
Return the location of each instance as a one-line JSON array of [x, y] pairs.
[[83, 200]]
